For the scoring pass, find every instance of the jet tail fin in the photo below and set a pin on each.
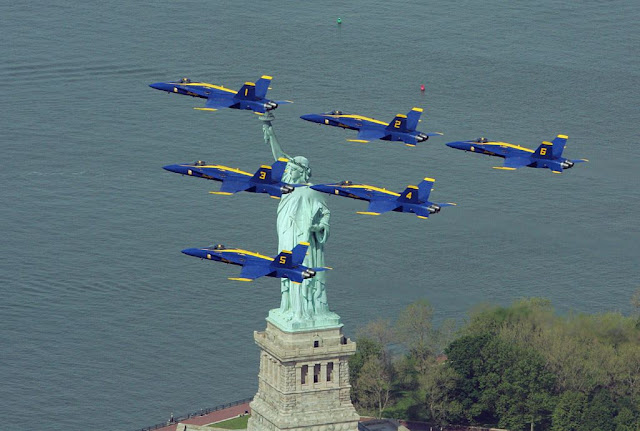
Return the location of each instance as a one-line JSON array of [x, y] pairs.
[[413, 117], [290, 259], [558, 145], [544, 151], [299, 252], [406, 123], [262, 86], [424, 189], [277, 169], [398, 124], [409, 195], [248, 91], [263, 175]]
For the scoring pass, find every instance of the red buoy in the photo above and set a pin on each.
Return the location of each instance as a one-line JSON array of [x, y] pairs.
[[421, 87]]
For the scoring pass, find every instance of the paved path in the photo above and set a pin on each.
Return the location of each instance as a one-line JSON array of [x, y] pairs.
[[212, 417]]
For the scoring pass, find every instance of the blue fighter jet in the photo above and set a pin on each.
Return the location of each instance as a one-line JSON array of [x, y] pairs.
[[548, 155], [251, 96], [401, 128], [415, 199], [288, 264], [267, 179]]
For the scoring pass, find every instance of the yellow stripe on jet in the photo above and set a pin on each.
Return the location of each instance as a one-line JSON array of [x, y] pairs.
[[204, 84], [358, 117], [417, 109], [505, 144], [266, 77], [248, 253], [364, 186], [205, 109], [222, 168], [430, 179], [502, 167], [367, 213], [357, 140], [221, 193], [240, 279]]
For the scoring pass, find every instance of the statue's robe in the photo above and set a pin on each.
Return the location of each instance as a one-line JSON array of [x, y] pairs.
[[297, 213]]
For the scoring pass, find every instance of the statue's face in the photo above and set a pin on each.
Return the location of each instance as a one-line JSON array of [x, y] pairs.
[[297, 171]]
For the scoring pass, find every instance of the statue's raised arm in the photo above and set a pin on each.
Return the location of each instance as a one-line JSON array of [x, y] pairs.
[[270, 136]]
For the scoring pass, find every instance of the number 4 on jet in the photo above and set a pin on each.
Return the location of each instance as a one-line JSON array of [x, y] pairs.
[[415, 199]]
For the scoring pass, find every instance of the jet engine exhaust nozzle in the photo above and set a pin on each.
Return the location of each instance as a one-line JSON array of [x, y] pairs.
[[286, 189]]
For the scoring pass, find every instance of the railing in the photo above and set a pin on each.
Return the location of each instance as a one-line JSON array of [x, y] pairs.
[[200, 412]]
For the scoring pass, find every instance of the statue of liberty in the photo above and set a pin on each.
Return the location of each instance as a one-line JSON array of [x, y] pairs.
[[303, 216]]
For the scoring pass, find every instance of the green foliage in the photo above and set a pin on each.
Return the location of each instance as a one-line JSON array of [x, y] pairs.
[[599, 412], [567, 415], [520, 367], [374, 385], [366, 349], [626, 420]]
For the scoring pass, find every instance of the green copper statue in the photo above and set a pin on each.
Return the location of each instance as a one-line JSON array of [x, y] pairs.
[[303, 216]]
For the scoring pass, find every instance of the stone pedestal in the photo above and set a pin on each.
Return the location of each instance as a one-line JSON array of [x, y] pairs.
[[303, 383]]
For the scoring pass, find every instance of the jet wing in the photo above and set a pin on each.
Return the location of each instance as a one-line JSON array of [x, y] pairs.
[[513, 163], [377, 207], [366, 135], [215, 102], [422, 212], [253, 270], [233, 185]]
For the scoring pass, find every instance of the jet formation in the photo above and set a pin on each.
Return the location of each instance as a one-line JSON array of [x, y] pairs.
[[414, 199], [401, 128], [548, 155], [288, 264], [252, 96], [267, 179]]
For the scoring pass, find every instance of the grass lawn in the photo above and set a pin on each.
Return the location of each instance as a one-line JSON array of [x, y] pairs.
[[233, 424]]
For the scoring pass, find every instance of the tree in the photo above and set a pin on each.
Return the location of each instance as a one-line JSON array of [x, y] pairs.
[[600, 412], [437, 390], [626, 421], [382, 333], [374, 385], [414, 329], [366, 349], [567, 415]]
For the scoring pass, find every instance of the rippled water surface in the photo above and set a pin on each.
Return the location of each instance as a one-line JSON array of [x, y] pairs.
[[105, 325]]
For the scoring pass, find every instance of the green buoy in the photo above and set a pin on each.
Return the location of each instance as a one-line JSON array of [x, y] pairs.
[[339, 20]]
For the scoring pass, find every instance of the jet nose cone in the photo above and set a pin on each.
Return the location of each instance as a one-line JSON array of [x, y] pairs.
[[178, 169], [311, 117], [460, 145], [194, 252], [161, 86]]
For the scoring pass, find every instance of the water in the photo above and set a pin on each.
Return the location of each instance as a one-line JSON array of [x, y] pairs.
[[105, 325]]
